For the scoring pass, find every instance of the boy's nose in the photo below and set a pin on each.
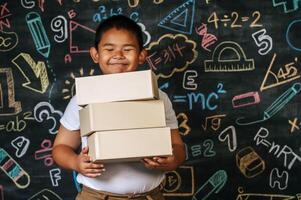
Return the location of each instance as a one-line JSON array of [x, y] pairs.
[[118, 54]]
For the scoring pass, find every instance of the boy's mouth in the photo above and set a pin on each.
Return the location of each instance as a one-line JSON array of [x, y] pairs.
[[118, 63]]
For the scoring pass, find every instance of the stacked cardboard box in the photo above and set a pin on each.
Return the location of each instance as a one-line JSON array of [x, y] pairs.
[[122, 116]]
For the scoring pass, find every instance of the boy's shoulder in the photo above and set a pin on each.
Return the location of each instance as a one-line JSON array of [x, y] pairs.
[[73, 104], [162, 95], [73, 100]]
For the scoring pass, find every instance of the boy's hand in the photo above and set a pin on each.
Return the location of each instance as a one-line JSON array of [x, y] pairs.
[[86, 167], [161, 163]]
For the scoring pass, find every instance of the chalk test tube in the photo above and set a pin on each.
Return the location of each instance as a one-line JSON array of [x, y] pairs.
[[13, 170], [214, 184]]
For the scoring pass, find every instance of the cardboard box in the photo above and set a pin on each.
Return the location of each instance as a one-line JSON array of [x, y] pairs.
[[129, 145], [121, 115], [138, 85]]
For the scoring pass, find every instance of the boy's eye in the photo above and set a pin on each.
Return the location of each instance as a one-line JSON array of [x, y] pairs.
[[128, 49], [109, 49]]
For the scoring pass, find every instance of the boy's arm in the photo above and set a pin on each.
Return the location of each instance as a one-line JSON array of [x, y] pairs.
[[65, 146], [178, 146], [171, 162], [64, 154]]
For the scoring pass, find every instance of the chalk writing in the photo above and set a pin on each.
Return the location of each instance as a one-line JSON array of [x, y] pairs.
[[278, 180], [55, 176], [60, 26], [170, 59], [8, 41], [4, 15], [44, 111], [264, 41], [21, 145], [294, 124], [235, 20], [288, 155], [230, 136], [214, 122], [285, 74], [45, 153]]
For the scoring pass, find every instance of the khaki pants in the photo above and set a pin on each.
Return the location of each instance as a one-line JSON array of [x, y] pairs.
[[91, 194]]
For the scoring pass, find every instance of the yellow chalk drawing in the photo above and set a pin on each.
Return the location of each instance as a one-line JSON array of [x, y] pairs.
[[8, 105], [288, 74], [173, 182], [215, 122], [220, 64], [183, 66], [183, 126], [69, 90], [294, 124], [32, 72], [259, 196], [18, 124], [158, 1], [249, 162], [135, 3], [45, 194]]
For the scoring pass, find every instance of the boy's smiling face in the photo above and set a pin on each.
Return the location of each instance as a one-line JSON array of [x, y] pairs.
[[118, 51]]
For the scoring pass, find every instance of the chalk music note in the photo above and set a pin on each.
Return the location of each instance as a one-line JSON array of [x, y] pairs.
[[45, 153]]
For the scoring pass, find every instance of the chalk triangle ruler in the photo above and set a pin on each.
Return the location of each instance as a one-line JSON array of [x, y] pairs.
[[180, 19]]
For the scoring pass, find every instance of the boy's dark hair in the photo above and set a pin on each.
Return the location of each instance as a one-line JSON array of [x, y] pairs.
[[119, 22]]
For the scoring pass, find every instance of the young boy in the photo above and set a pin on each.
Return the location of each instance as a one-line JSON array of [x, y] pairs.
[[118, 48]]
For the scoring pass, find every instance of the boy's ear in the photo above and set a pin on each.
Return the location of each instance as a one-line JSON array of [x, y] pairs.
[[142, 56], [94, 54]]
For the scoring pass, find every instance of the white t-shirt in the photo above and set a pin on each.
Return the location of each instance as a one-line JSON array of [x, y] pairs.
[[120, 178]]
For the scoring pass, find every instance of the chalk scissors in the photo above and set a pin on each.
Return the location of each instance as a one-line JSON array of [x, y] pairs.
[[275, 107]]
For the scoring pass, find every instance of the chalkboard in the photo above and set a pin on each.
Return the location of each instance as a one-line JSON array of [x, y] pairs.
[[230, 68]]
